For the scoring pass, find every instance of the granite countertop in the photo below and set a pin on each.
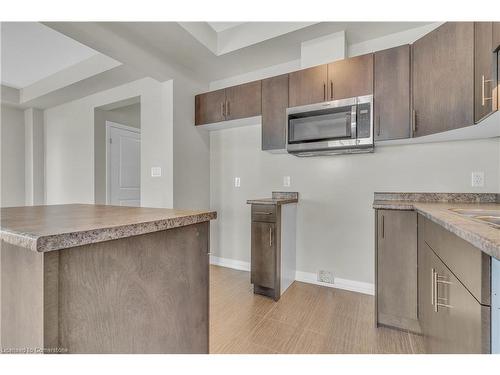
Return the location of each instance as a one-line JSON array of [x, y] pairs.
[[277, 198], [437, 208], [47, 228]]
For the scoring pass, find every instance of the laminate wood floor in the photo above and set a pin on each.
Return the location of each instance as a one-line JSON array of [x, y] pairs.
[[307, 319]]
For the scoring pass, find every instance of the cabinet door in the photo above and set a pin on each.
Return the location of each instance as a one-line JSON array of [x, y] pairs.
[[263, 254], [274, 104], [350, 77], [392, 93], [397, 269], [484, 70], [460, 323], [496, 36], [443, 79], [243, 100], [209, 107], [308, 86]]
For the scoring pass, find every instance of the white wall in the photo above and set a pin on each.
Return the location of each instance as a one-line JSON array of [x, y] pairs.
[[69, 140], [12, 157], [335, 225]]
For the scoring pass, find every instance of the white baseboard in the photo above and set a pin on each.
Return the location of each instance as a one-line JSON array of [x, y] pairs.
[[305, 277], [230, 263]]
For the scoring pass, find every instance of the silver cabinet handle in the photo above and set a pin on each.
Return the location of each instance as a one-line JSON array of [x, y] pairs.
[[483, 84], [222, 109], [383, 226], [432, 286], [324, 91], [331, 90], [227, 108], [378, 124], [414, 122], [438, 279], [270, 236], [265, 213]]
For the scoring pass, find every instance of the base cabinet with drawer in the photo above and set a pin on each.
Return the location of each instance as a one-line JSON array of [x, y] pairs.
[[452, 319], [272, 248]]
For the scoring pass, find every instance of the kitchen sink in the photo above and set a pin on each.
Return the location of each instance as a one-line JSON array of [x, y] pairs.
[[490, 217]]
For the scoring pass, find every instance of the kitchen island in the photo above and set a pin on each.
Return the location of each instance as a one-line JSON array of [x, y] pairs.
[[104, 279]]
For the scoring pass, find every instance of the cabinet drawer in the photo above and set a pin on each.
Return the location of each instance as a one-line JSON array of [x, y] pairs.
[[264, 212], [469, 264]]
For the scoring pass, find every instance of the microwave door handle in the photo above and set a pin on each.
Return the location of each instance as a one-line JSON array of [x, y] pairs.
[[353, 121]]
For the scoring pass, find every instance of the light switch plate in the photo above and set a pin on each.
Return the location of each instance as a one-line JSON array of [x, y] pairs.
[[286, 181], [237, 182], [477, 179], [155, 171]]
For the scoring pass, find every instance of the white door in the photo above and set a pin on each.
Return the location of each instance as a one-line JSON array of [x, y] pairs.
[[124, 165]]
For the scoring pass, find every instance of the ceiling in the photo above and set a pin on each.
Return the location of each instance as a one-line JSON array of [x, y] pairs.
[[222, 26], [54, 62], [31, 51]]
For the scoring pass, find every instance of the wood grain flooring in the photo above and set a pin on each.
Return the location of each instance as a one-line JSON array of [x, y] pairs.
[[308, 319]]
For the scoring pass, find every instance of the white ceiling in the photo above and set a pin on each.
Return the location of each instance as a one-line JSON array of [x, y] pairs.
[[31, 51], [222, 26]]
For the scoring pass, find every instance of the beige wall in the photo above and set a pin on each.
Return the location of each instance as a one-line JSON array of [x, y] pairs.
[[12, 157], [335, 224], [129, 115]]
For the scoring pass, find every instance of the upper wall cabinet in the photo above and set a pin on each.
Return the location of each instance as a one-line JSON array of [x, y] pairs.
[[443, 79], [484, 70], [274, 105], [392, 93], [496, 36], [308, 86], [243, 100], [350, 77], [210, 107], [228, 104]]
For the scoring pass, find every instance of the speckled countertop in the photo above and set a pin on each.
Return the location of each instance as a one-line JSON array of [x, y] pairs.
[[277, 198], [46, 228], [437, 207]]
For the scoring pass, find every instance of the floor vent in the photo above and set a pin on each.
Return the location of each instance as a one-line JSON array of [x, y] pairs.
[[326, 277]]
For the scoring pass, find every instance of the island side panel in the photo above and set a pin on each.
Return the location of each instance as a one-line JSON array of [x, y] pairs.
[[141, 294], [21, 300]]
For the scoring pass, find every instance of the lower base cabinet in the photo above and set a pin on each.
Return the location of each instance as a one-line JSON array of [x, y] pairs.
[[451, 319]]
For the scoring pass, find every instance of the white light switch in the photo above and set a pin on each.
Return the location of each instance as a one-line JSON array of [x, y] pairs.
[[237, 182], [286, 181], [477, 179], [155, 171]]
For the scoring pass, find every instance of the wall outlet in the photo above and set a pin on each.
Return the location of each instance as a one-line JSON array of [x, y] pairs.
[[155, 171], [326, 277], [286, 181], [237, 182], [477, 179]]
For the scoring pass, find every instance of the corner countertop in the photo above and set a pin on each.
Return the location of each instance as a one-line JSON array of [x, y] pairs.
[[277, 198], [55, 227], [437, 208]]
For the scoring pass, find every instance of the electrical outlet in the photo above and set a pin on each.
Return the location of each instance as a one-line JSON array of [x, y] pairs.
[[155, 171], [477, 179], [286, 181], [326, 277], [237, 182]]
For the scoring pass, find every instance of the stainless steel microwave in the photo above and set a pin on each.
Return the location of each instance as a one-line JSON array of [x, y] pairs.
[[336, 127]]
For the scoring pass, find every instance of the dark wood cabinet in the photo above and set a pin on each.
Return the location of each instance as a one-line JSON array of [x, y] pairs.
[[210, 107], [350, 77], [243, 100], [443, 79], [496, 36], [228, 104], [392, 93], [451, 318], [396, 269], [274, 105], [484, 71], [308, 86], [263, 254]]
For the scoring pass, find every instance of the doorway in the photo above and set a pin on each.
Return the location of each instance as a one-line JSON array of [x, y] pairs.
[[123, 170]]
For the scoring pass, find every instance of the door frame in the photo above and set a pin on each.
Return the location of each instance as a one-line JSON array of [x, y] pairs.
[[111, 124]]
